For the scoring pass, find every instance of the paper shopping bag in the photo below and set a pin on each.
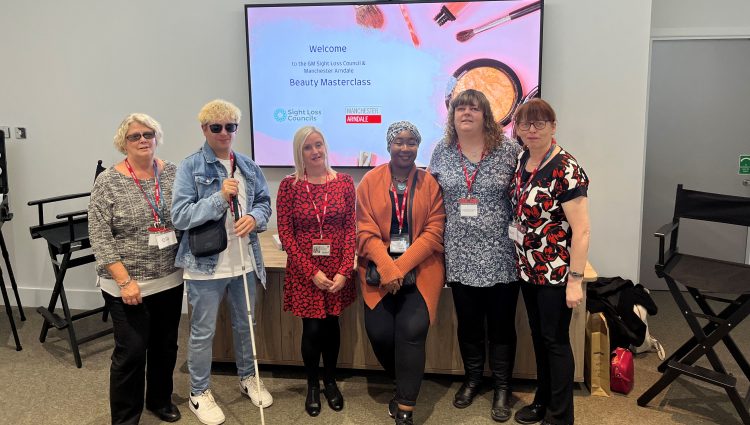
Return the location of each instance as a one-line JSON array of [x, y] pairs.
[[596, 363]]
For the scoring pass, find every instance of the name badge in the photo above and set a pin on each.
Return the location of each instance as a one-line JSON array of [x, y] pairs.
[[153, 233], [165, 239], [516, 232], [469, 207], [399, 244], [321, 247]]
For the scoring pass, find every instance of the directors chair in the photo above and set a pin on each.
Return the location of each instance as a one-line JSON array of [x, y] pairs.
[[702, 276], [68, 235]]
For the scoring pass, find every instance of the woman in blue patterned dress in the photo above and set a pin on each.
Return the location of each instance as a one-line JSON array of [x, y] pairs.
[[474, 165]]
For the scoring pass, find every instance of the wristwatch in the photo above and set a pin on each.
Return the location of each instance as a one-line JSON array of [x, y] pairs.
[[575, 274]]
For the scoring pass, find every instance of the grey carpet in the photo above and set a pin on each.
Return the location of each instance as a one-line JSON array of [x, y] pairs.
[[41, 385]]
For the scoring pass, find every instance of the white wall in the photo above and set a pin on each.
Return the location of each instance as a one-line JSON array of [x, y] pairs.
[[700, 19], [78, 67]]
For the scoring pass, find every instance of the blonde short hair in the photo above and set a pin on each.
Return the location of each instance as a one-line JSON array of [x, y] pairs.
[[143, 119], [219, 110], [299, 140]]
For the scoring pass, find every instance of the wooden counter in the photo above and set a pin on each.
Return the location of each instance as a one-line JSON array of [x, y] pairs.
[[278, 333]]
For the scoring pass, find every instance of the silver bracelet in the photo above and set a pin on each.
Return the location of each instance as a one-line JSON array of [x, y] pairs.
[[575, 274], [126, 283]]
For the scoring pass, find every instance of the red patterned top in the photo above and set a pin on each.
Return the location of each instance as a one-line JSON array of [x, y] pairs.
[[298, 226]]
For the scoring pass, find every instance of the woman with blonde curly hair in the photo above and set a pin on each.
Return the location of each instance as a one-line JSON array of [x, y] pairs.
[[474, 165], [134, 242]]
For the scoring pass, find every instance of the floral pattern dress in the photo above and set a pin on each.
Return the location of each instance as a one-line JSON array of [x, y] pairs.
[[544, 257], [478, 251], [298, 226]]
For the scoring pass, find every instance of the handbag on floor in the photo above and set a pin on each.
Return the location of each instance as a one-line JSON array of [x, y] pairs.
[[622, 371]]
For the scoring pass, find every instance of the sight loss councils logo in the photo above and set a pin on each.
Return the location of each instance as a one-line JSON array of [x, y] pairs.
[[297, 114], [279, 115]]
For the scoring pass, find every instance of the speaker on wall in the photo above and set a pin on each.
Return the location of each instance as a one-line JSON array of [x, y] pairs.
[[3, 168]]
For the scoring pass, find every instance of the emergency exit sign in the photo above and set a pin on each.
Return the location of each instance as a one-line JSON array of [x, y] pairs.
[[744, 165]]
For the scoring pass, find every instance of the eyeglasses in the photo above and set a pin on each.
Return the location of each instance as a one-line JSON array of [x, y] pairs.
[[137, 136], [412, 143], [525, 125], [216, 128]]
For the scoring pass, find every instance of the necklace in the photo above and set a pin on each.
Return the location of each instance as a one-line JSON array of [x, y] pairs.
[[400, 183]]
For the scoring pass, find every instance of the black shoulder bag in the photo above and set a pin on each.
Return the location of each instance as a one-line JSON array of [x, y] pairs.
[[372, 277], [209, 238]]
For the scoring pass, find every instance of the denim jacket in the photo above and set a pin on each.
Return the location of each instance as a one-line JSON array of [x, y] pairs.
[[196, 199]]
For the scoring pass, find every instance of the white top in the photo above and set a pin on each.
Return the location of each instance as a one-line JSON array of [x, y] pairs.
[[229, 263], [148, 287]]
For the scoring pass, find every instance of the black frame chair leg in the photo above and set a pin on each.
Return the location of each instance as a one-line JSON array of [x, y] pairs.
[[12, 278], [9, 310], [71, 329]]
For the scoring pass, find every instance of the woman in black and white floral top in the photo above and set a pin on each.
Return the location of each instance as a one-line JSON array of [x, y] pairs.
[[474, 165], [551, 234]]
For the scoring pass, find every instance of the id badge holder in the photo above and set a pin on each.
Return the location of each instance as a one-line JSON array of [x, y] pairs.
[[399, 244], [153, 233], [161, 236], [321, 247], [520, 232], [469, 207]]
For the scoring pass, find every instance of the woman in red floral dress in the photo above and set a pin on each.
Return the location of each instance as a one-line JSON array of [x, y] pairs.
[[317, 229]]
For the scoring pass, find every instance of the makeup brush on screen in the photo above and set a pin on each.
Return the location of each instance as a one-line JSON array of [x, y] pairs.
[[409, 25], [468, 34], [369, 15]]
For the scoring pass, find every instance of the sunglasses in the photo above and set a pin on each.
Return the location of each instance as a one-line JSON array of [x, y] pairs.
[[216, 128], [137, 136]]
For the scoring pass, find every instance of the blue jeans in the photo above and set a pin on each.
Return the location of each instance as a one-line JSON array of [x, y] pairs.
[[205, 296]]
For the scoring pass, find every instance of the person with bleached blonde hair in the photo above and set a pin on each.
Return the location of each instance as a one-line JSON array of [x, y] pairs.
[[209, 184], [316, 226]]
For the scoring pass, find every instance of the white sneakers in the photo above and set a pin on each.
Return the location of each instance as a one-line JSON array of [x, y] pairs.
[[205, 408], [208, 412], [249, 388]]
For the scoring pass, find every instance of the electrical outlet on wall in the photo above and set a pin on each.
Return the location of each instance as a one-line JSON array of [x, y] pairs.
[[5, 130], [20, 133]]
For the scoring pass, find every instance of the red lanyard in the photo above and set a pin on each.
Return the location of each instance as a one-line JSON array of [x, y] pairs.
[[469, 179], [157, 191], [400, 212], [521, 189], [321, 217]]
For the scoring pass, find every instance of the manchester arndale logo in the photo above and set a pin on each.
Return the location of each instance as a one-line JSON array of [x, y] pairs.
[[279, 115]]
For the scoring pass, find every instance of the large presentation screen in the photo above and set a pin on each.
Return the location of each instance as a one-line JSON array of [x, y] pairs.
[[353, 69]]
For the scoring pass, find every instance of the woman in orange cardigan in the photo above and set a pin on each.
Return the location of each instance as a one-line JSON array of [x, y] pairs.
[[400, 221]]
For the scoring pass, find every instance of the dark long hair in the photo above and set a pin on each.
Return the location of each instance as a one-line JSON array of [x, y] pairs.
[[493, 132]]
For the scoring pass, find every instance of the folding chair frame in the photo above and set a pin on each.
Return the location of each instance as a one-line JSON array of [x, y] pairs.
[[682, 361]]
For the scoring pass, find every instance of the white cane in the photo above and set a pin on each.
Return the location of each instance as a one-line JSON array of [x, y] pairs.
[[235, 206]]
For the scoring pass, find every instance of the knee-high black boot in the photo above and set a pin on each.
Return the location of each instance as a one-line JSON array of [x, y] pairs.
[[472, 354], [502, 357]]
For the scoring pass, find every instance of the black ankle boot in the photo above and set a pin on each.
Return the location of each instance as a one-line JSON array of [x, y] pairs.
[[531, 414], [333, 395], [392, 408], [500, 405], [312, 402], [465, 395], [404, 417]]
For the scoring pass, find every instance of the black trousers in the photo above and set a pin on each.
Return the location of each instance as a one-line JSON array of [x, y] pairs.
[[320, 336], [397, 328], [145, 334], [549, 319], [487, 316]]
